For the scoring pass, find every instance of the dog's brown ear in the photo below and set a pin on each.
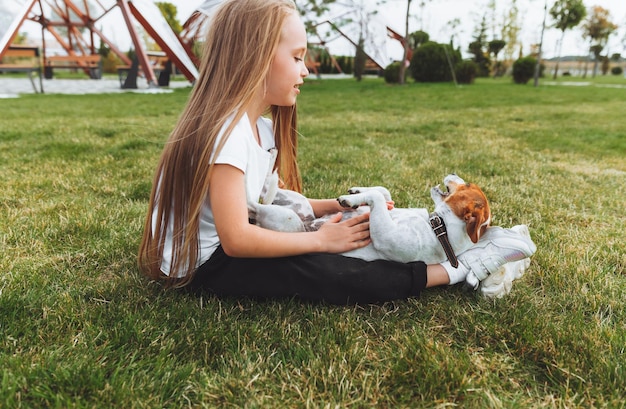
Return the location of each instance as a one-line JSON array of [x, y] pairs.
[[472, 227], [476, 220]]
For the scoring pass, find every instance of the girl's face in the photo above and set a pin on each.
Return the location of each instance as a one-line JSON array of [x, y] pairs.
[[288, 70]]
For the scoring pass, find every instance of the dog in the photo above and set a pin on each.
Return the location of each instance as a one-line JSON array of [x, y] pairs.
[[399, 234]]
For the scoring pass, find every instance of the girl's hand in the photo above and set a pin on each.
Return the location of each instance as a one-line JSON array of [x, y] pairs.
[[341, 236]]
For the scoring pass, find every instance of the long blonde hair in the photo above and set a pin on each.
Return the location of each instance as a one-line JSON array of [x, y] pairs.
[[240, 45]]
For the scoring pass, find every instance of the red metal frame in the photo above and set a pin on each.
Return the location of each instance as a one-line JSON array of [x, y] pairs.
[[80, 34]]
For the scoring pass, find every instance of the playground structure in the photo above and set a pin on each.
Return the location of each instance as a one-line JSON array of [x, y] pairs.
[[73, 25], [313, 57]]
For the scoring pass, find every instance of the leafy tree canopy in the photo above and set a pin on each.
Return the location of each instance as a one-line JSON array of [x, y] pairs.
[[170, 13], [418, 38], [598, 27], [567, 14]]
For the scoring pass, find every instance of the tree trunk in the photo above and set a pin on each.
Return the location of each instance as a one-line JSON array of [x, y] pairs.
[[543, 28], [406, 44], [359, 60], [558, 57], [587, 61]]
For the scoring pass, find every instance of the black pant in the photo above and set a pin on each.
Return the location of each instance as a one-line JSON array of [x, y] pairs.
[[330, 278]]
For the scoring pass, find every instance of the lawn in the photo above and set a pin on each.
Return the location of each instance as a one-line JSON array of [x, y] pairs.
[[79, 327]]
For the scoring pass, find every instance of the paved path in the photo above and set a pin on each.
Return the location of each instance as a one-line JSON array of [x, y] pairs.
[[14, 87]]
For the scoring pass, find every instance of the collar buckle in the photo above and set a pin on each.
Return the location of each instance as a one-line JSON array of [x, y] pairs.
[[439, 228]]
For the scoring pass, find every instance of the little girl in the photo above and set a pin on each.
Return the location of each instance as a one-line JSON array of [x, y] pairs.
[[215, 161]]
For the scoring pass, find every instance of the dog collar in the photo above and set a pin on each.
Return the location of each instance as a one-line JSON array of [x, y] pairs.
[[439, 228]]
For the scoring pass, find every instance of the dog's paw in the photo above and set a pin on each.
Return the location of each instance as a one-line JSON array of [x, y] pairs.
[[361, 189], [346, 202]]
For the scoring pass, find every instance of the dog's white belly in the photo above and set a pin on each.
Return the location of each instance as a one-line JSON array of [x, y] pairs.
[[409, 238]]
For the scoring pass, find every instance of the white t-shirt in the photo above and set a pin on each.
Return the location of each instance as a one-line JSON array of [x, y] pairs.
[[243, 152]]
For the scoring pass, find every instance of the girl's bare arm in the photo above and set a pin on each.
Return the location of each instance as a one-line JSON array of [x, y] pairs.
[[239, 238]]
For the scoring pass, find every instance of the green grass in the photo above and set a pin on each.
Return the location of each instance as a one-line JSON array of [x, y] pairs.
[[80, 328]]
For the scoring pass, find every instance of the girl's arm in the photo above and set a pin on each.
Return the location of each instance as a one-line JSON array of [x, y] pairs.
[[322, 207], [239, 238]]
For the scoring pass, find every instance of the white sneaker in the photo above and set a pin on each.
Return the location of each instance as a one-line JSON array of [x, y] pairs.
[[495, 248], [518, 268], [499, 284]]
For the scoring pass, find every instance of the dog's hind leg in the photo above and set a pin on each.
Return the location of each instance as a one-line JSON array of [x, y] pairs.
[[373, 198], [381, 223], [275, 217]]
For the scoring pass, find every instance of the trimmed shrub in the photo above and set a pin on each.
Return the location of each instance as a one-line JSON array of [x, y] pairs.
[[346, 63], [110, 63], [392, 73], [466, 72], [617, 70], [524, 69], [430, 63]]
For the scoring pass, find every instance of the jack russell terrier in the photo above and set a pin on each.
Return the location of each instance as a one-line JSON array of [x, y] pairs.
[[461, 216]]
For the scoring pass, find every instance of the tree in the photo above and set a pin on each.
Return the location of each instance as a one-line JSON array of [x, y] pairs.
[[418, 38], [511, 27], [606, 64], [405, 52], [454, 25], [170, 12], [422, 13], [497, 42], [567, 14], [491, 6], [597, 29], [494, 47], [539, 51], [361, 14], [360, 58], [477, 47], [313, 7], [21, 38], [310, 11]]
